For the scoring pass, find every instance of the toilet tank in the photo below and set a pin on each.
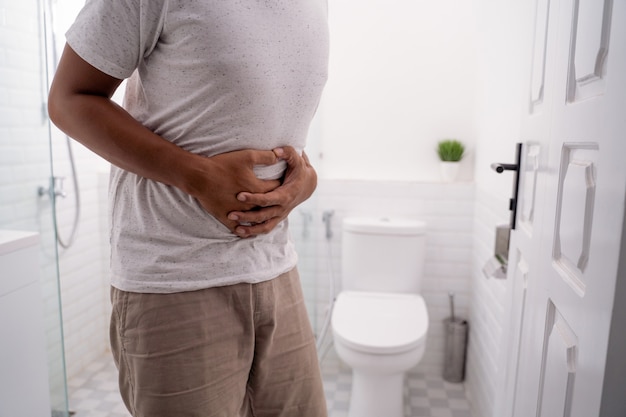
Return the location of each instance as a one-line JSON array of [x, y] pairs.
[[382, 254]]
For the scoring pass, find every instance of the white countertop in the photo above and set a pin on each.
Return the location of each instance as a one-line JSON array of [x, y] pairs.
[[12, 240]]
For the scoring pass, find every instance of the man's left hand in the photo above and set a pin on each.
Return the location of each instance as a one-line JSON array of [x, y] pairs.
[[299, 182]]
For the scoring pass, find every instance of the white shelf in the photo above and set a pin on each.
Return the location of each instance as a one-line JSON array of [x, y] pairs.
[[13, 240]]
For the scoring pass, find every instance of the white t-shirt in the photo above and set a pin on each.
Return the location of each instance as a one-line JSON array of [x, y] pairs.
[[211, 76]]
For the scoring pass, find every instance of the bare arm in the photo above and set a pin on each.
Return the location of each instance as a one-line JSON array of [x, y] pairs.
[[80, 104]]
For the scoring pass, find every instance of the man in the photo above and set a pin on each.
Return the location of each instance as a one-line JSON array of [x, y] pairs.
[[208, 316]]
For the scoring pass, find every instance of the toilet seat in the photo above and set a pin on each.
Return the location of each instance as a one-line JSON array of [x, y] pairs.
[[380, 323]]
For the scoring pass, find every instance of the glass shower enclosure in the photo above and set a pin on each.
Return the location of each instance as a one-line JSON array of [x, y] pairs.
[[26, 203]]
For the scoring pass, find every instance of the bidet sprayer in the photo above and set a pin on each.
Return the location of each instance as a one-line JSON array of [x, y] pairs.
[[326, 218]]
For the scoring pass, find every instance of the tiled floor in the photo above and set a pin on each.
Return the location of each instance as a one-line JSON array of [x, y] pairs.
[[94, 393], [425, 395]]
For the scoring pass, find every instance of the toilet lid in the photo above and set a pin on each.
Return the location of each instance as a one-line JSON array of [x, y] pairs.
[[380, 322]]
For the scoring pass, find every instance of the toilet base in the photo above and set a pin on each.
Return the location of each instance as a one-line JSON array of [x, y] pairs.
[[376, 395]]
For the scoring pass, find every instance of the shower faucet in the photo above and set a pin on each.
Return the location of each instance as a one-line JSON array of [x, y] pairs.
[[55, 189]]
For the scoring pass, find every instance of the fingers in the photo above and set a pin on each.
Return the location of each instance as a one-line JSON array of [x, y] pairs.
[[262, 157], [245, 231], [274, 197], [264, 186], [256, 216], [270, 209], [289, 154]]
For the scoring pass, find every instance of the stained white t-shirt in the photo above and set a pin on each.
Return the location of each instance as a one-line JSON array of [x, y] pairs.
[[211, 76]]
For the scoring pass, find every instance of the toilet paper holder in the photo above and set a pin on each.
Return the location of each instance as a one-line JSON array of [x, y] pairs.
[[496, 267]]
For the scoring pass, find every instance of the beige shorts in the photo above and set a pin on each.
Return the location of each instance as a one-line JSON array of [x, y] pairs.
[[239, 350]]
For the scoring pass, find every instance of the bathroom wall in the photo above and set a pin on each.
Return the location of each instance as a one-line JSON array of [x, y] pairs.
[[401, 79], [83, 266], [503, 35]]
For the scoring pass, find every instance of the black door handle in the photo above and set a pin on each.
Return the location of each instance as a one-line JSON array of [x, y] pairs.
[[500, 168]]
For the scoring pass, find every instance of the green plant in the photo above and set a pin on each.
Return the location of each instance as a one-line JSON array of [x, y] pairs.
[[450, 150]]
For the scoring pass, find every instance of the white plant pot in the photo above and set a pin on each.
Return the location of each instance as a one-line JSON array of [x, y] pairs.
[[449, 170]]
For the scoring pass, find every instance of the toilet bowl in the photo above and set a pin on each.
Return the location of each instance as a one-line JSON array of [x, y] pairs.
[[380, 320], [380, 336]]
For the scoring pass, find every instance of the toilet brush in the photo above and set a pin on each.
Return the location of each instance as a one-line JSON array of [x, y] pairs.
[[451, 298]]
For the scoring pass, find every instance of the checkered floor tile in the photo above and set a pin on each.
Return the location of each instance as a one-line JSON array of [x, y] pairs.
[[425, 395], [94, 393]]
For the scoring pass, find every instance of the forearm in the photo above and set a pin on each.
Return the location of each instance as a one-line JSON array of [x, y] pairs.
[[80, 104], [109, 131]]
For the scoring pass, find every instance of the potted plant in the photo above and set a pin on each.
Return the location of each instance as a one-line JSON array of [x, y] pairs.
[[450, 153]]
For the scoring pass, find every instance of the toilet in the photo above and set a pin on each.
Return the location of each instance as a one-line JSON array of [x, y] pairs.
[[379, 320]]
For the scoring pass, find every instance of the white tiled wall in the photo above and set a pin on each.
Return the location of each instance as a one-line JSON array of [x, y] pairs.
[[487, 306], [504, 35], [24, 159], [83, 266]]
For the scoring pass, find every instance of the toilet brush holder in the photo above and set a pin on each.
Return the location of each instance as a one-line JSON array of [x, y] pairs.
[[455, 349], [456, 346]]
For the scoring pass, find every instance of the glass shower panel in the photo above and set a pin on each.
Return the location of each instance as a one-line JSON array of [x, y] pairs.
[[25, 165]]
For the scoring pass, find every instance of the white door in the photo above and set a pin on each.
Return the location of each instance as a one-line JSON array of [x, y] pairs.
[[565, 252]]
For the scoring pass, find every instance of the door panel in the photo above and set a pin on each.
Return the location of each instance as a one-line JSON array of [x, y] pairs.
[[574, 213], [539, 55], [528, 186], [591, 26], [522, 253], [559, 363], [577, 142], [520, 290]]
